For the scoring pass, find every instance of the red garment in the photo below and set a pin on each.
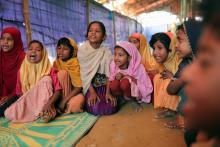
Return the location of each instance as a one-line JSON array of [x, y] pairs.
[[10, 63], [121, 88]]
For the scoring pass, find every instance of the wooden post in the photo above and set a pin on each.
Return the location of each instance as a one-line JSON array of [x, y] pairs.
[[114, 31], [183, 10], [87, 12], [25, 4]]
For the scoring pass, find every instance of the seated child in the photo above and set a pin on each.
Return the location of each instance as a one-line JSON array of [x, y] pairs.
[[128, 77], [11, 56], [187, 36], [69, 76], [94, 59], [37, 85], [168, 62]]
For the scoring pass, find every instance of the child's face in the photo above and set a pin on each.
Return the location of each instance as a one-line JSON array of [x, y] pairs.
[[202, 109], [63, 52], [95, 34], [121, 58], [135, 41], [160, 53], [34, 53], [7, 42], [182, 44]]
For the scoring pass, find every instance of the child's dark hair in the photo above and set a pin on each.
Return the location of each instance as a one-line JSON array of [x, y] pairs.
[[163, 38], [210, 10], [180, 27], [102, 26], [65, 41], [122, 48], [36, 41]]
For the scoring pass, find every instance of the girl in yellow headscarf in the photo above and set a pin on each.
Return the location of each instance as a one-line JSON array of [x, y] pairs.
[[38, 86], [143, 47], [168, 61], [69, 75]]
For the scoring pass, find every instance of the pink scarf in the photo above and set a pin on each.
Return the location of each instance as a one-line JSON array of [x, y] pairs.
[[136, 70]]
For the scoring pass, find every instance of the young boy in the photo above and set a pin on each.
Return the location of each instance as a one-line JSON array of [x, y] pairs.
[[187, 36], [202, 80]]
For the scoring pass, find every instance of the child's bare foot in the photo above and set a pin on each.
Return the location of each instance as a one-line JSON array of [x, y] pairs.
[[165, 114], [178, 123], [137, 107], [174, 125], [48, 114]]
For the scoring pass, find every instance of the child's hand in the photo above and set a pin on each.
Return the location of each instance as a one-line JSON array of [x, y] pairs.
[[62, 105], [166, 74], [93, 99], [132, 78], [110, 99], [47, 106], [48, 113], [119, 76]]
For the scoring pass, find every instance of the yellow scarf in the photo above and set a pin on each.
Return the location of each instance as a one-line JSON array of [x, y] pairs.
[[173, 59], [71, 66], [31, 73], [148, 60], [75, 47]]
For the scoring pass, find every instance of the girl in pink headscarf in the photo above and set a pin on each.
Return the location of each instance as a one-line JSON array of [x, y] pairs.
[[127, 75]]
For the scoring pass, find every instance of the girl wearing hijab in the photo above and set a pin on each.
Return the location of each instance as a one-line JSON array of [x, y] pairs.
[[128, 77], [69, 76], [11, 57], [37, 85]]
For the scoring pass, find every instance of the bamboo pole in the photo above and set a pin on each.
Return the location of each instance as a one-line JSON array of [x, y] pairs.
[[87, 12], [114, 31], [183, 10], [26, 14]]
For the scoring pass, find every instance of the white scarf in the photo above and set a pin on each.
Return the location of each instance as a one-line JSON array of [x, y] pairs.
[[93, 61]]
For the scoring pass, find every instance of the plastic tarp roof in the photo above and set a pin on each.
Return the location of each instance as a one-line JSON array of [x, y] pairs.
[[52, 19], [11, 15], [105, 16]]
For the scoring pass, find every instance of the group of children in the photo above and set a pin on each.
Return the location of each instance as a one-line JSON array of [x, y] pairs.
[[87, 78], [90, 78]]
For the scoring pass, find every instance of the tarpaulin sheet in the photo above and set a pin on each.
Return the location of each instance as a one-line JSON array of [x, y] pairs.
[[99, 13], [11, 15], [52, 19]]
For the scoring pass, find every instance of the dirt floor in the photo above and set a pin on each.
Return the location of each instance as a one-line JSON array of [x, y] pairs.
[[128, 128]]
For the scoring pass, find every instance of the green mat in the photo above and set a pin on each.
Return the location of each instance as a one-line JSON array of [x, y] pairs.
[[65, 131]]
